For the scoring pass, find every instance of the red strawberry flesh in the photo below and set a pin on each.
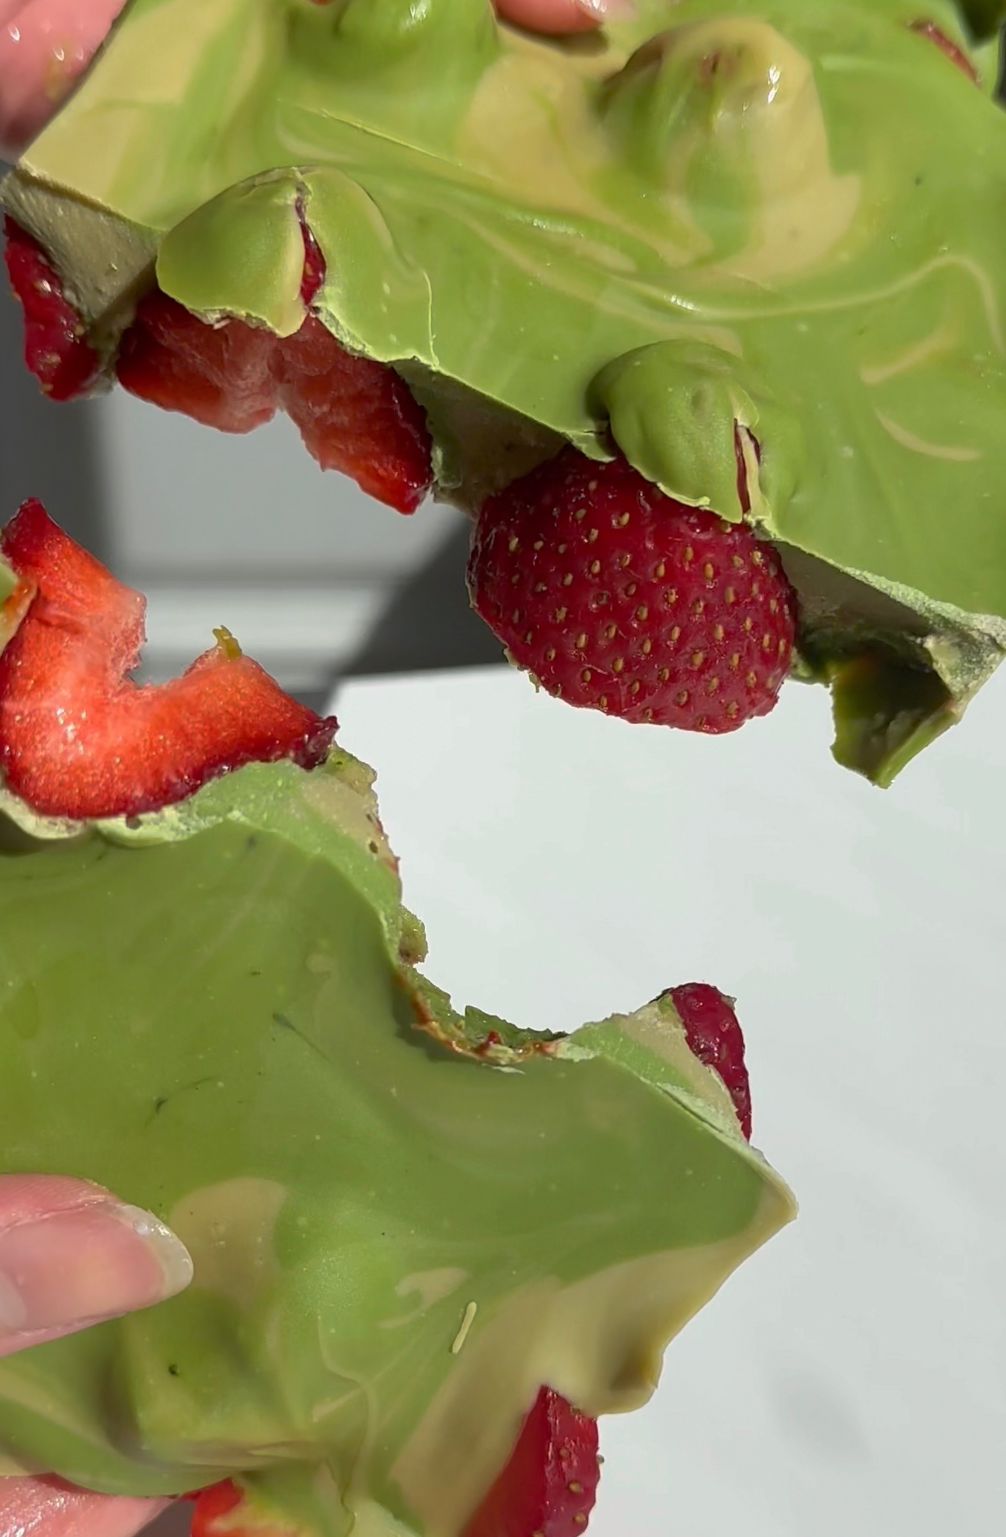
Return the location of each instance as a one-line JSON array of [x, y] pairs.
[[13, 610], [354, 415], [219, 375], [714, 1035], [218, 1514], [314, 262], [56, 349], [615, 597], [79, 739], [549, 1486], [947, 46]]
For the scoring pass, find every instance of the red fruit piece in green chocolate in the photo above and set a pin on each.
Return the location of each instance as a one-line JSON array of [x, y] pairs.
[[547, 1489], [219, 375], [946, 46], [549, 1486], [354, 415], [80, 739], [714, 1035], [615, 597], [55, 348]]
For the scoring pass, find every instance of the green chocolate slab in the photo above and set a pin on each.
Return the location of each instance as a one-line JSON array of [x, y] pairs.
[[784, 215], [399, 1230]]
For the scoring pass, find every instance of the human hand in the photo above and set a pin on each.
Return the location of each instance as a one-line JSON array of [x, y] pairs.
[[45, 46], [557, 16], [72, 1256]]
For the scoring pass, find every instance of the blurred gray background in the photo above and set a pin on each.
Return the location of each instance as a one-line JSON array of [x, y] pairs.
[[315, 580]]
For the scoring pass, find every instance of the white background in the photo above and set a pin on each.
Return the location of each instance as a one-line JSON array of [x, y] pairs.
[[852, 1377]]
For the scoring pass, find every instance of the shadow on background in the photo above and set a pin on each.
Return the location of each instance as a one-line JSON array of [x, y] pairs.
[[427, 623]]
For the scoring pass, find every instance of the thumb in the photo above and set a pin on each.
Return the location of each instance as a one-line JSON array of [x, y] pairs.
[[72, 1255], [555, 16], [45, 45], [44, 1507]]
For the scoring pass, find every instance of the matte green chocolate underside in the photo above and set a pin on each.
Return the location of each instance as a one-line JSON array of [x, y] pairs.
[[219, 1025]]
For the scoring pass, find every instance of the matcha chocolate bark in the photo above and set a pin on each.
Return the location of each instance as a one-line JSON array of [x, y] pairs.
[[405, 1221], [770, 228]]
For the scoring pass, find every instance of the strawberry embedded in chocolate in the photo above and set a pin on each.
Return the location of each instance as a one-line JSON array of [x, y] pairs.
[[79, 739], [219, 375], [547, 1488], [713, 1032], [615, 597], [56, 349], [946, 46], [219, 1513], [355, 415]]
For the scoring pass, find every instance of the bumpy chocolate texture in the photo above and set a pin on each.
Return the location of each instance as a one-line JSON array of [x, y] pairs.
[[403, 1220], [759, 217]]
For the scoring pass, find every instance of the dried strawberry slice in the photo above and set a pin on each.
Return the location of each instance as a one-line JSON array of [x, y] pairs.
[[80, 739], [56, 349]]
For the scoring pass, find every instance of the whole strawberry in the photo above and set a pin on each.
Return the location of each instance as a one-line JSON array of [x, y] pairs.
[[618, 598]]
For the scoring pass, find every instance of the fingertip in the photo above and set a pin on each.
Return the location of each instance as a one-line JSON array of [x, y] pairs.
[[45, 46], [70, 1266], [556, 18]]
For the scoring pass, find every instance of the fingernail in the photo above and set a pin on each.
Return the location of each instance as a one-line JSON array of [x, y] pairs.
[[84, 1265], [605, 10]]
